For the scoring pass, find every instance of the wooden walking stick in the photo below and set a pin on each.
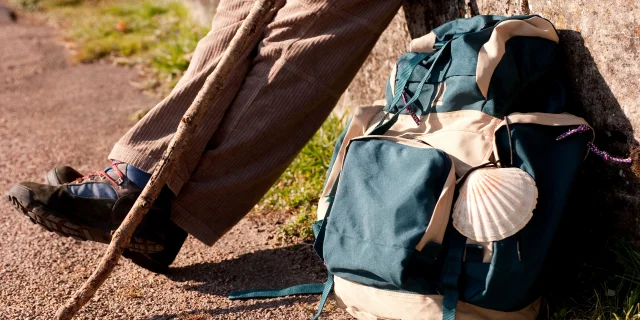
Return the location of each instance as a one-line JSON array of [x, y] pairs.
[[164, 169]]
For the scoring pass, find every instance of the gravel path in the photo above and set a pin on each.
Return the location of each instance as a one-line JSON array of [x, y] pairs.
[[54, 113]]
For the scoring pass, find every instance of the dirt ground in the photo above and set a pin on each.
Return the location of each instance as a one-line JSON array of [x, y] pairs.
[[53, 112]]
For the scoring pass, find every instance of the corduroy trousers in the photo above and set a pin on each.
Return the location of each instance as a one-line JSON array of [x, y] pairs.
[[278, 95]]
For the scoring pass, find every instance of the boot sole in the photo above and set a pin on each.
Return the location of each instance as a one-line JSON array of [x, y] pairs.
[[23, 202]]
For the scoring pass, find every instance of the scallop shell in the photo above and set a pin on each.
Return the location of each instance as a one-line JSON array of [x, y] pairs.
[[494, 203]]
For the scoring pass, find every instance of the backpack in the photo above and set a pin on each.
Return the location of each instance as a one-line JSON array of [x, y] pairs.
[[442, 201]]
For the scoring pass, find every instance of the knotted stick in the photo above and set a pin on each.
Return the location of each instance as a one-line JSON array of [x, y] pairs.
[[164, 169]]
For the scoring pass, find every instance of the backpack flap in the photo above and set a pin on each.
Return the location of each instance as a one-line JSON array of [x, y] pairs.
[[384, 231]]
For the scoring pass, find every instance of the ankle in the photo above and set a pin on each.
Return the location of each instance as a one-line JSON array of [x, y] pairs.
[[136, 176]]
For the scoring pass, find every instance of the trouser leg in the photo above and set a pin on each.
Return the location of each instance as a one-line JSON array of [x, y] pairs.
[[310, 53], [144, 144]]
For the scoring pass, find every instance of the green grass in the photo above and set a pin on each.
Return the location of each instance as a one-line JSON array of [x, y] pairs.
[[611, 291], [156, 34], [298, 189], [625, 304]]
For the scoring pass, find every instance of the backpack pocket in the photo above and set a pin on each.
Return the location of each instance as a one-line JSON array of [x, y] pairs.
[[389, 213], [512, 279]]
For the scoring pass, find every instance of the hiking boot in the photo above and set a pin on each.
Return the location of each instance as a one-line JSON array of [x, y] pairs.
[[61, 175], [92, 207], [156, 262], [159, 262]]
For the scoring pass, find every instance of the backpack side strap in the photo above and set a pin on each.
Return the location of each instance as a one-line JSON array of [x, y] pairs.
[[304, 289], [451, 273]]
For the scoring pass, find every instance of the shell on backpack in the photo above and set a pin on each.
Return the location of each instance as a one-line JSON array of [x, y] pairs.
[[494, 203]]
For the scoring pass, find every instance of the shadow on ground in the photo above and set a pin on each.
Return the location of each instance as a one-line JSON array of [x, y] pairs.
[[273, 268], [264, 269], [201, 314]]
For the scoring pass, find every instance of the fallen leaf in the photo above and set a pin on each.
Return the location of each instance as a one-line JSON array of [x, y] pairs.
[[121, 26]]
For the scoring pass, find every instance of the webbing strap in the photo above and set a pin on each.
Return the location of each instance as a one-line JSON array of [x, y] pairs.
[[382, 128], [328, 286], [426, 77], [404, 76], [311, 288], [318, 231], [303, 289], [452, 270]]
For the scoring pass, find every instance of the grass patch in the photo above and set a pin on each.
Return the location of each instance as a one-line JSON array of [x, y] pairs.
[[619, 297], [608, 291], [298, 189], [159, 35]]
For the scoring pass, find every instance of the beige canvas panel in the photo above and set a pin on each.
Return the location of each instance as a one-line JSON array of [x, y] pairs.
[[441, 212], [424, 43], [546, 119], [466, 135], [467, 149], [359, 123], [384, 304], [392, 78], [380, 102], [437, 101], [491, 52], [467, 120], [398, 139]]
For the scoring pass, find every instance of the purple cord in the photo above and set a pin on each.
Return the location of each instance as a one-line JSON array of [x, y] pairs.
[[580, 128], [603, 154], [410, 110]]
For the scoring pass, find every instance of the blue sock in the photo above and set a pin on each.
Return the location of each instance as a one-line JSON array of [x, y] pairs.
[[135, 175]]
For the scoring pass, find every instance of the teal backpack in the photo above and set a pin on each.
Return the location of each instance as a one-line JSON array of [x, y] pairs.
[[442, 201]]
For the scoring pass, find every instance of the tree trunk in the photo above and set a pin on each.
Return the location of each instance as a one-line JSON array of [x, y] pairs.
[[422, 16]]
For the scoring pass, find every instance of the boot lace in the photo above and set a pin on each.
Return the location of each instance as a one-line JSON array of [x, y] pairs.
[[103, 174]]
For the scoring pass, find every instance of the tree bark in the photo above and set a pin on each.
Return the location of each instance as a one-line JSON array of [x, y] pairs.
[[212, 86], [422, 16]]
